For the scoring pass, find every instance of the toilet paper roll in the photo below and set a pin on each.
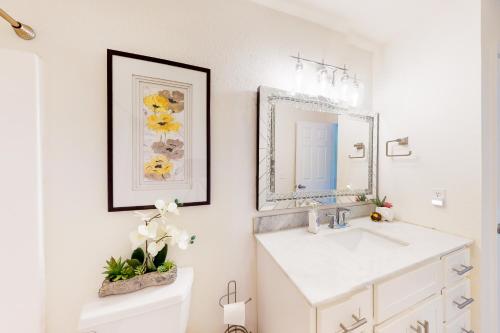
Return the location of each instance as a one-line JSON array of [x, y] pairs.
[[234, 314]]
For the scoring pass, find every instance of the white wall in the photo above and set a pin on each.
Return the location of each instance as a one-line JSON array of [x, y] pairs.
[[245, 45], [428, 87], [21, 280]]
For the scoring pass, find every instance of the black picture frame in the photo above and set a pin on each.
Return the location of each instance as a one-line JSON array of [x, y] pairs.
[[114, 53]]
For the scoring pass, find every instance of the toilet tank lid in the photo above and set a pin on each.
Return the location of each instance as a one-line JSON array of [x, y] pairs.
[[113, 308]]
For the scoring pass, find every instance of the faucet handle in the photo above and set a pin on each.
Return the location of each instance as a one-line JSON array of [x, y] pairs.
[[344, 215], [333, 221]]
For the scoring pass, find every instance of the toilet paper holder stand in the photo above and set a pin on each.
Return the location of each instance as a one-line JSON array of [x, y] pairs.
[[232, 291]]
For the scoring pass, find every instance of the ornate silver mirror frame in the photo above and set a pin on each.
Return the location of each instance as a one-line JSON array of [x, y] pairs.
[[267, 198]]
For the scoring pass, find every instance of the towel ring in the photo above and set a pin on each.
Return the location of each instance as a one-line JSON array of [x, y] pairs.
[[359, 146], [401, 142]]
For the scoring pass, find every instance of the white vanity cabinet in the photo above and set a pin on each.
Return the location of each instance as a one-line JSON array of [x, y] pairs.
[[433, 297]]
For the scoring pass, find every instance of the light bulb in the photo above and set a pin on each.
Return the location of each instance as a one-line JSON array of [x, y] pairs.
[[334, 89], [345, 88], [354, 100], [356, 93], [299, 69], [323, 81]]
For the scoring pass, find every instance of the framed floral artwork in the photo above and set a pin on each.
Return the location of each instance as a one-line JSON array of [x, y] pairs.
[[158, 132]]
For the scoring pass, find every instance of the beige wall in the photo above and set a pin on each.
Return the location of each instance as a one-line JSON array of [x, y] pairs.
[[428, 87], [245, 46]]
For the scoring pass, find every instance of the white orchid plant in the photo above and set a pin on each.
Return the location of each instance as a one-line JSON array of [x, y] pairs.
[[154, 235]]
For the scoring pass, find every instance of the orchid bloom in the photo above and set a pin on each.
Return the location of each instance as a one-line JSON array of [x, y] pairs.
[[156, 233], [143, 233], [163, 208], [183, 240], [155, 247], [136, 239]]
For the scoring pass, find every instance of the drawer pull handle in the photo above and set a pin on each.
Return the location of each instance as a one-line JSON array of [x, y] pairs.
[[467, 331], [466, 302], [418, 329], [358, 322], [464, 269], [425, 325]]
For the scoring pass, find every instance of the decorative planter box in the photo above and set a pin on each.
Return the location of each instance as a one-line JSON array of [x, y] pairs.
[[137, 283], [387, 213]]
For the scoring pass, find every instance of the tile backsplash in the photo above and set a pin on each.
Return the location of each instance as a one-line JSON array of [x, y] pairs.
[[284, 221]]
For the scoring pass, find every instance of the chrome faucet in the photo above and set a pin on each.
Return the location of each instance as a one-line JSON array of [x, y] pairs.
[[339, 218]]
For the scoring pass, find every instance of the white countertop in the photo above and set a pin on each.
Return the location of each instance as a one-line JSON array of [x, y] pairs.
[[324, 271]]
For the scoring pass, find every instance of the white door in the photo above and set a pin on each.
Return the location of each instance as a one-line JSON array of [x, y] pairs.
[[313, 157], [425, 318]]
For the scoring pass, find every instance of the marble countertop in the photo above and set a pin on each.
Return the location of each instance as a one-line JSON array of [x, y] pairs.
[[324, 269]]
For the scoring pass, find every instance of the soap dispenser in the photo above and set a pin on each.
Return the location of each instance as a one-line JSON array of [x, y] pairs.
[[313, 216]]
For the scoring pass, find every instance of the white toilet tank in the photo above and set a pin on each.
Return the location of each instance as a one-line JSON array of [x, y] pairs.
[[163, 309]]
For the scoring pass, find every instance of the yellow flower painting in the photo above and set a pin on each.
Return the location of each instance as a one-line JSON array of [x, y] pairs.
[[158, 168], [156, 103], [162, 123], [163, 141]]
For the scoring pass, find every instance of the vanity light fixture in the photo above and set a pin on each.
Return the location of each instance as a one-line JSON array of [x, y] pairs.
[[346, 93]]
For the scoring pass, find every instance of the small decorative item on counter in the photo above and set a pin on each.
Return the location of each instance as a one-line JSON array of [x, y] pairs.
[[376, 217], [384, 208], [313, 217], [148, 264]]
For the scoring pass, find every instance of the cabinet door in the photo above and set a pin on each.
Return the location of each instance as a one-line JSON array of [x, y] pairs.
[[424, 318]]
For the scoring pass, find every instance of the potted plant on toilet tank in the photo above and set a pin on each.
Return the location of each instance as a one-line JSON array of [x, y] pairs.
[[148, 264]]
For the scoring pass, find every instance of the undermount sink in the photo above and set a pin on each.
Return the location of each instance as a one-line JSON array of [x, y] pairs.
[[361, 240]]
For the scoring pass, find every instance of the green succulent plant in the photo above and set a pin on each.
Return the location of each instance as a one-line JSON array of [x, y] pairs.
[[118, 270], [361, 198], [166, 266], [140, 270], [379, 203]]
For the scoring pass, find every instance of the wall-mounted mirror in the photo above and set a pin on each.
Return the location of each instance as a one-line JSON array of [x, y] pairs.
[[310, 148]]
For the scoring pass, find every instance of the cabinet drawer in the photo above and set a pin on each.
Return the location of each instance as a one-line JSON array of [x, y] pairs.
[[426, 317], [356, 311], [457, 300], [460, 325], [401, 292], [456, 266]]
